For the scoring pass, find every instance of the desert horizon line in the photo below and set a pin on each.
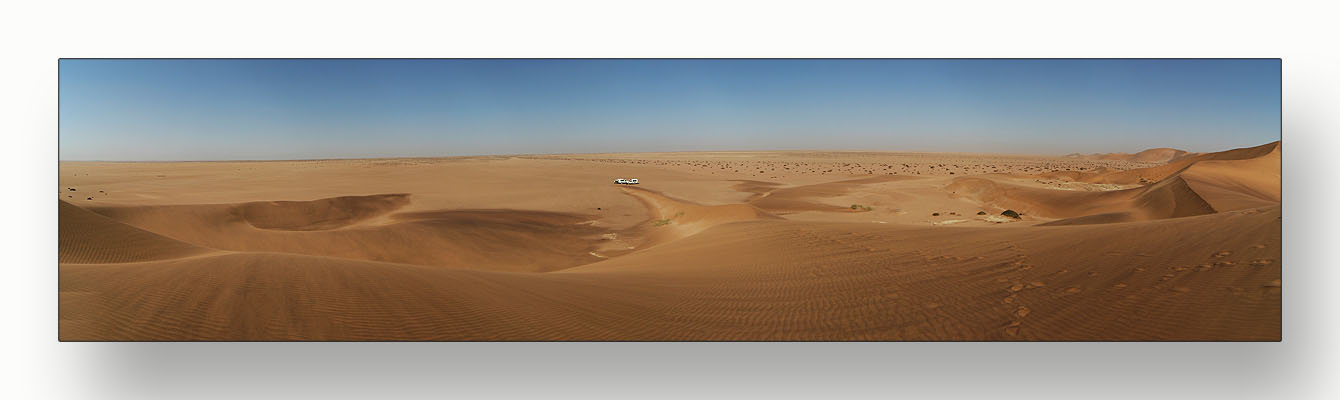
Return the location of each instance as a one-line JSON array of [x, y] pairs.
[[839, 150]]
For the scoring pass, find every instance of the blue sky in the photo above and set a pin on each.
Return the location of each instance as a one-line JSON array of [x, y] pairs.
[[301, 109]]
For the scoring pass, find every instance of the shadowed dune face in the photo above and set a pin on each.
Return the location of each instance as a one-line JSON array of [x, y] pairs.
[[86, 237], [711, 246]]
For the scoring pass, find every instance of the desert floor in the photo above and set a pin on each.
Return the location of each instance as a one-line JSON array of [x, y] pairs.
[[710, 246]]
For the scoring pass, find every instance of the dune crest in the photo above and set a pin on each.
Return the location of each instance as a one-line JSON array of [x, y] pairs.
[[322, 214]]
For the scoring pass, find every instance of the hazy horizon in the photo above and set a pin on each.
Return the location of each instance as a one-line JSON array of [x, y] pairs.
[[198, 110]]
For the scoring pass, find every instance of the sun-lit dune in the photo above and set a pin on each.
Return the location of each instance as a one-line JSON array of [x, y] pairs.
[[1198, 185]]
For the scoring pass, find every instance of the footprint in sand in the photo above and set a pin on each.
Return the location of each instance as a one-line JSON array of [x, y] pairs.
[[1022, 312], [1259, 246], [1072, 290], [1036, 284], [1120, 285], [1273, 284], [1008, 300], [1017, 287], [1167, 277], [1223, 254], [1178, 268], [1262, 262], [932, 306], [1012, 329], [1204, 267]]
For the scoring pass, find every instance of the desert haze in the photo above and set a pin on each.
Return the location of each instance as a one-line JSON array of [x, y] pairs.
[[779, 245]]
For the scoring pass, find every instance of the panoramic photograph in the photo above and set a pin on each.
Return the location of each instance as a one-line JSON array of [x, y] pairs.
[[670, 200]]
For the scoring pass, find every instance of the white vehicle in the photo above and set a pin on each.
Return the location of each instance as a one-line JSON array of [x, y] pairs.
[[626, 181], [632, 181]]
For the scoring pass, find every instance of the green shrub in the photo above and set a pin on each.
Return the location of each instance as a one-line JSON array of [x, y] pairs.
[[1010, 213]]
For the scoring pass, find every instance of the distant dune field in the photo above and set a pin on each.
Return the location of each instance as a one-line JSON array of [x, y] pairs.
[[782, 245]]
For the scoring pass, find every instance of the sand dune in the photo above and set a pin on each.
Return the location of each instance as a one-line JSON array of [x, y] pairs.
[[1158, 173], [1202, 184], [484, 239], [761, 280], [1159, 155], [383, 250]]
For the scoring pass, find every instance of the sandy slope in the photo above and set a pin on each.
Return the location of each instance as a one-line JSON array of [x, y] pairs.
[[545, 248]]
